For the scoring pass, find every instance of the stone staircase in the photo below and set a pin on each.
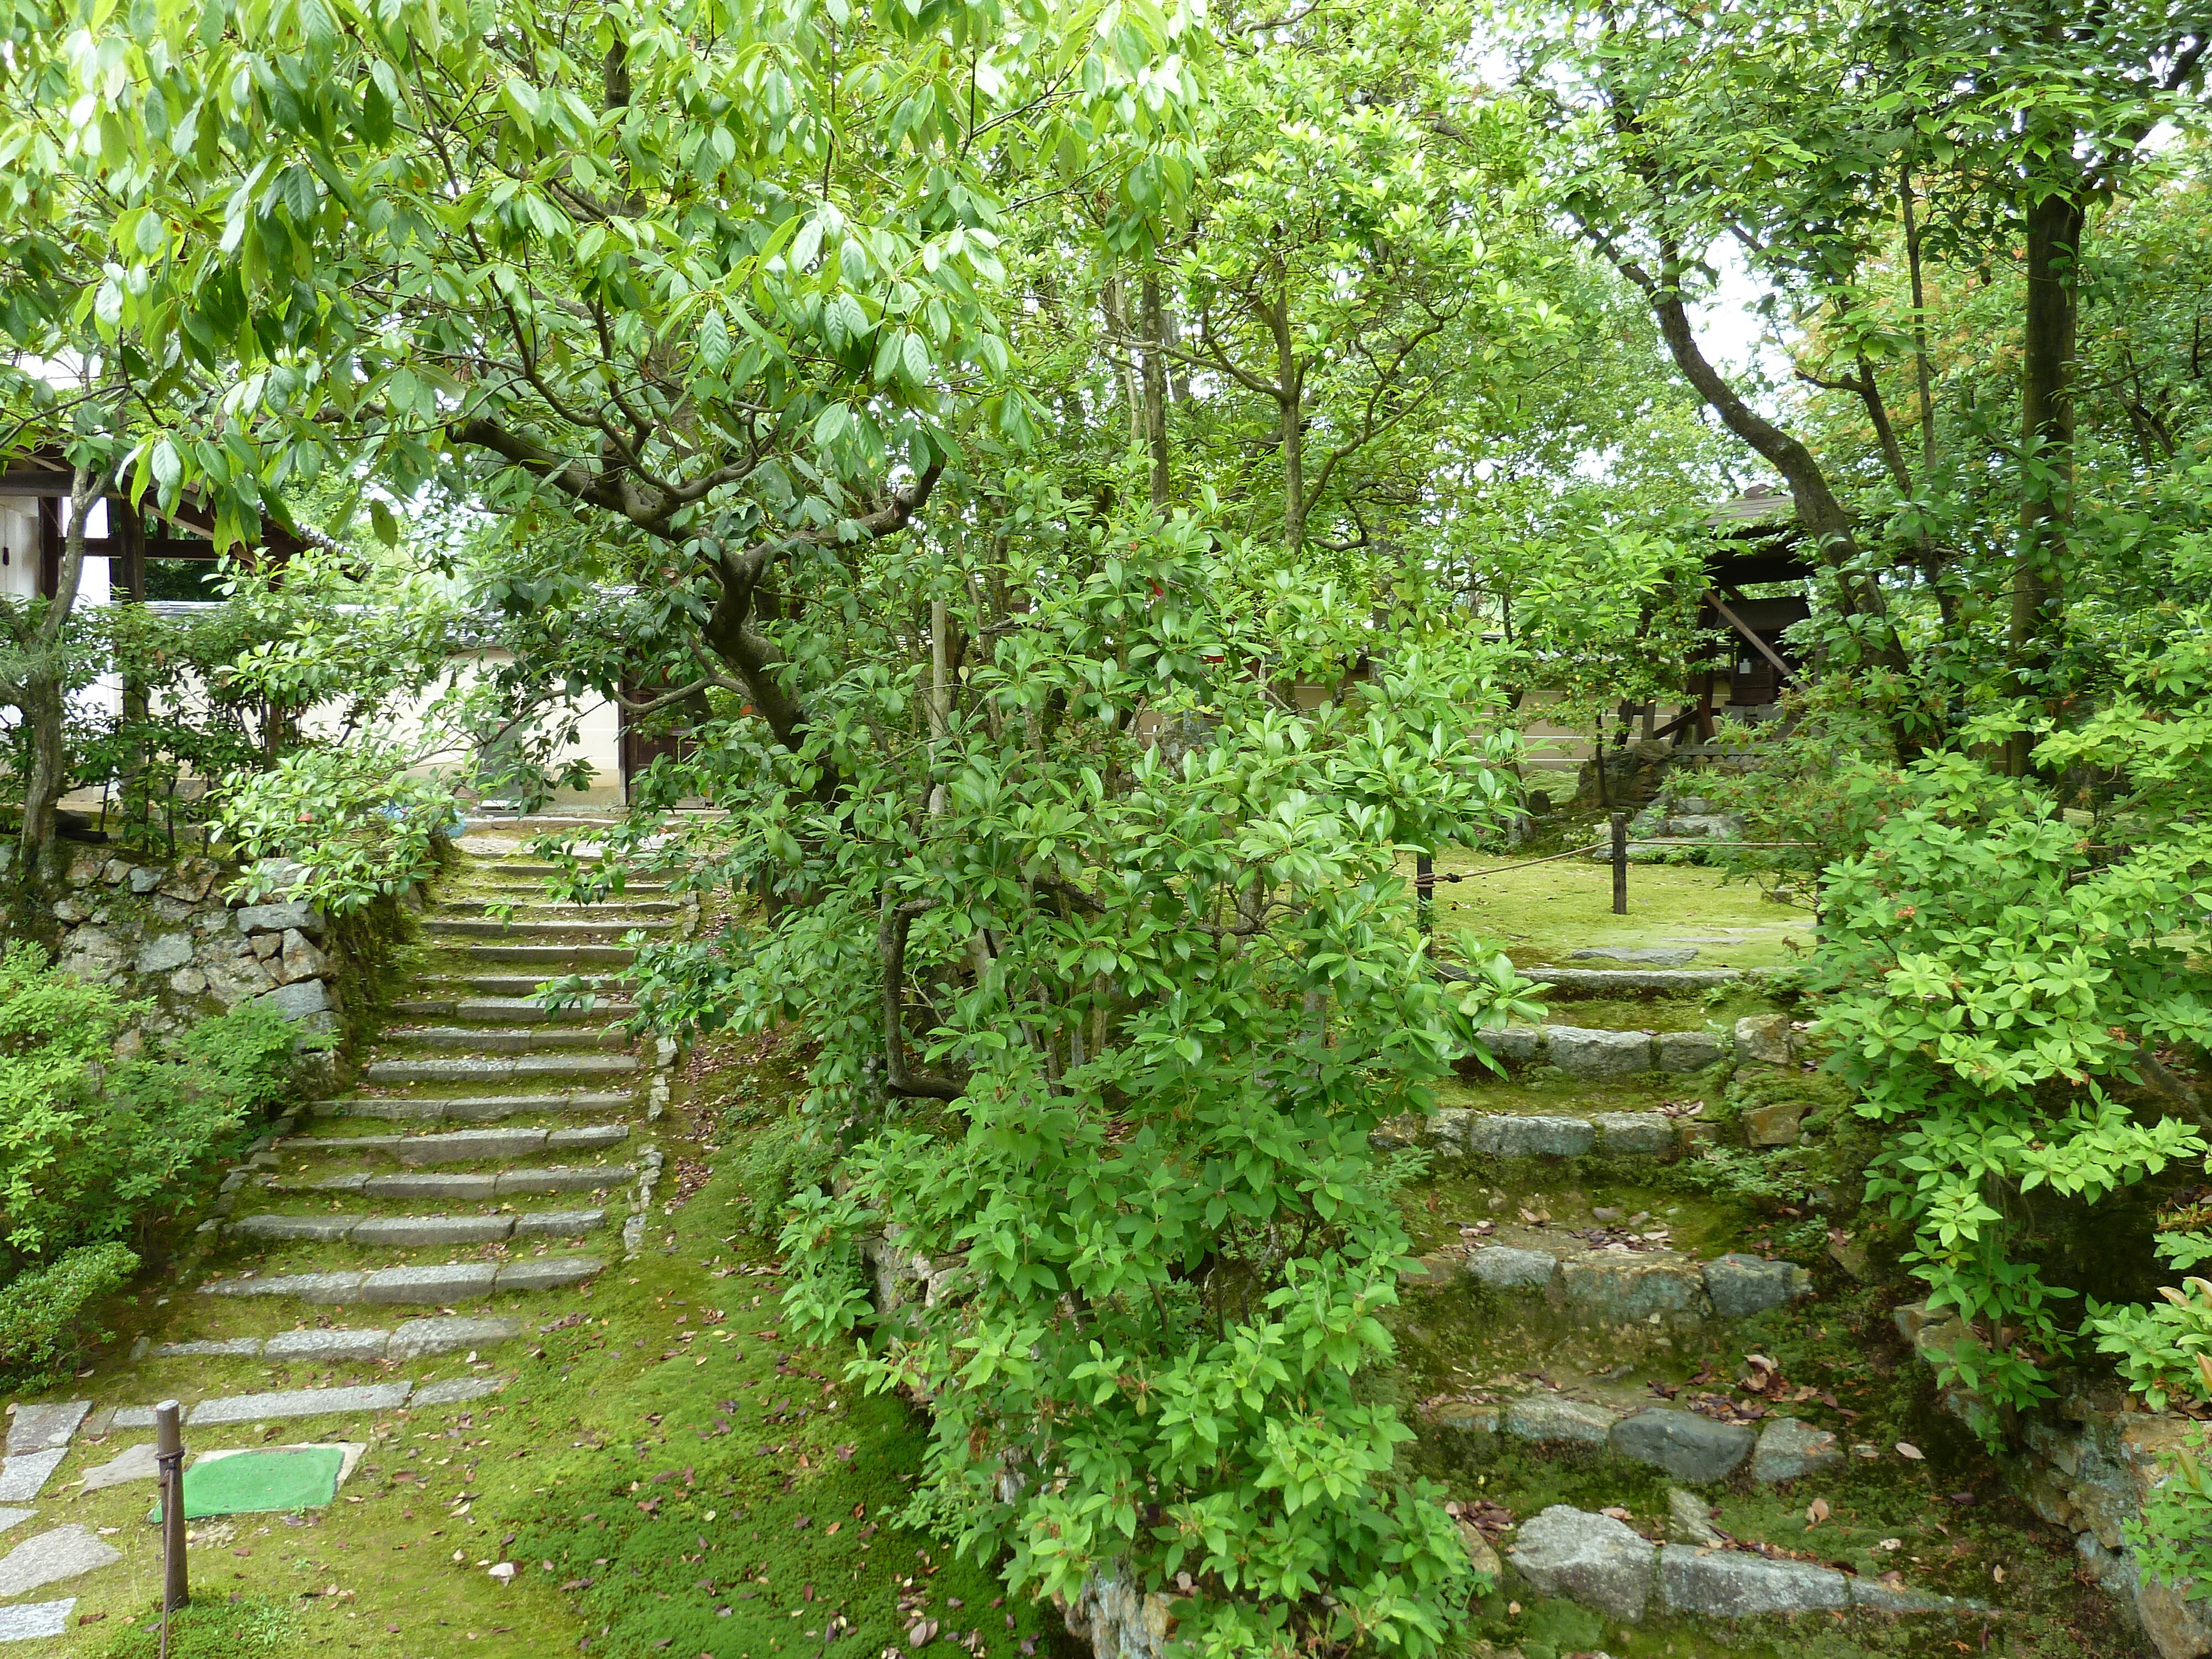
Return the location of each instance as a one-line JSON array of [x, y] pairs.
[[487, 1161]]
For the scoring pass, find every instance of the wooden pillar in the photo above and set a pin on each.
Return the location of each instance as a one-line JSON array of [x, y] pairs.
[[50, 544], [126, 573], [1424, 891], [1620, 864], [169, 1459]]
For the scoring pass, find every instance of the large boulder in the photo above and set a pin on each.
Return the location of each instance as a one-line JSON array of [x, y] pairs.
[[1590, 1558], [1766, 1038]]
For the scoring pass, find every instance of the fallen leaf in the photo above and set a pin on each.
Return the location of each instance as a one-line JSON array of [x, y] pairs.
[[1906, 1448], [1815, 1513]]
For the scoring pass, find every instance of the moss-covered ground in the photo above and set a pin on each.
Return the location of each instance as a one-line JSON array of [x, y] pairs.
[[669, 1474]]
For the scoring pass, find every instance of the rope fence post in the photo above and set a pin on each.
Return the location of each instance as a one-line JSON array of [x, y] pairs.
[[169, 1458], [1424, 891], [1620, 864]]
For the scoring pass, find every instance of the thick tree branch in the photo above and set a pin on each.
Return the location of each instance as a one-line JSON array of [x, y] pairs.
[[890, 946]]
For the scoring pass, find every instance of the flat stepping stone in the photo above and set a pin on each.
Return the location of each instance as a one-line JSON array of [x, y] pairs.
[[34, 1621], [440, 1285], [474, 1109], [399, 1231], [514, 1010], [412, 1338], [14, 1517], [514, 987], [456, 1391], [460, 1070], [492, 928], [510, 1039], [67, 1552], [22, 1479], [557, 956], [1456, 1132], [465, 1146], [479, 1189], [418, 1339], [1657, 956], [1640, 979], [235, 1348], [42, 1428], [298, 1402], [138, 1464]]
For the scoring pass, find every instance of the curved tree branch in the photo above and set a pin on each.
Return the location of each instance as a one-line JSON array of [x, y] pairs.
[[890, 946]]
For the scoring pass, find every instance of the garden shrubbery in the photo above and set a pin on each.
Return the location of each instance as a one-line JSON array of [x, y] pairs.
[[97, 1153]]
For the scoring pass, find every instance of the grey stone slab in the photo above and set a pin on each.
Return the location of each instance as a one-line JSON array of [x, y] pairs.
[[233, 1347], [352, 1181], [1642, 1134], [1727, 1584], [456, 1391], [308, 1287], [1610, 980], [42, 1428], [469, 1146], [34, 1621], [573, 1178], [1789, 1450], [1765, 1038], [275, 918], [165, 954], [478, 1186], [549, 1272], [1582, 1052], [1616, 1288], [14, 1517], [466, 1070], [413, 1339], [1543, 1418], [451, 1281], [1687, 1446], [416, 1230], [1872, 1595], [393, 1110], [1516, 1045], [558, 1224], [299, 1402], [1503, 1135], [1591, 1559], [48, 1557], [326, 1228], [1654, 956], [1742, 1285], [323, 1145], [22, 1479], [321, 1345], [1502, 1267], [596, 1134], [1689, 1051], [135, 1463], [130, 1417]]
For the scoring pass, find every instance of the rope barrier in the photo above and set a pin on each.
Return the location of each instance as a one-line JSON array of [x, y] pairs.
[[1599, 846]]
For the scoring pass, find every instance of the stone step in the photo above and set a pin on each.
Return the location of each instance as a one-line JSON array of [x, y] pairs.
[[461, 1146], [412, 1338], [1692, 1448], [286, 1403], [1592, 1052], [473, 1108], [1614, 981], [1615, 1285], [439, 1286], [509, 868], [492, 928], [395, 1232], [1460, 1132], [477, 1187], [544, 909], [518, 987], [498, 1071], [505, 1040], [515, 1010], [558, 959]]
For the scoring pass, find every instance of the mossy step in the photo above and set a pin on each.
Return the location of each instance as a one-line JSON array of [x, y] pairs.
[[396, 1231], [467, 1070], [514, 1011], [1616, 1285], [1458, 1132], [470, 1186], [560, 958], [471, 1108], [286, 1403], [460, 1146], [540, 910], [1592, 1052], [412, 1338], [517, 987], [506, 1040], [436, 1286], [1644, 979], [1689, 1446], [493, 927], [498, 869]]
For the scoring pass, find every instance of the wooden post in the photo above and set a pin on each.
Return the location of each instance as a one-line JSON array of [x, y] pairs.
[[1424, 891], [169, 1457], [1620, 864]]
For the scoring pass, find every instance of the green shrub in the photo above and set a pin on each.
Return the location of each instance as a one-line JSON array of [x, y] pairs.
[[42, 1328], [352, 820]]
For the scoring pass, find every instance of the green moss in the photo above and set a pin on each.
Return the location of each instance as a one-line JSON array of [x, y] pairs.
[[220, 1627]]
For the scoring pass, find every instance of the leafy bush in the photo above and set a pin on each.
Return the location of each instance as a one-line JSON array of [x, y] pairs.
[[93, 1149], [351, 823], [42, 1329]]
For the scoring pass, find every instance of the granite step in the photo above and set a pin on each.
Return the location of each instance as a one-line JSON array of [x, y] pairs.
[[432, 1070], [1461, 1132], [438, 1287], [505, 1040], [545, 909], [493, 927], [557, 958], [514, 1011], [396, 1231], [460, 1146], [286, 1403], [412, 1338], [534, 869], [473, 1108], [470, 1186], [524, 986]]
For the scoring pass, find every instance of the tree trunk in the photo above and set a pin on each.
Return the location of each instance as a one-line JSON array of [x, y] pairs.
[[1290, 398], [45, 692], [1156, 392], [2046, 431]]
